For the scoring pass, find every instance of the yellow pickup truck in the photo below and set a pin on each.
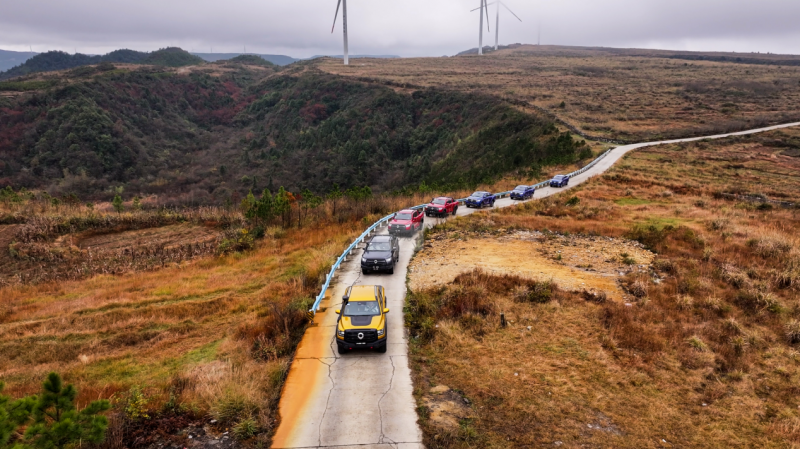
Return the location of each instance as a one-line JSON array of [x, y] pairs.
[[362, 319]]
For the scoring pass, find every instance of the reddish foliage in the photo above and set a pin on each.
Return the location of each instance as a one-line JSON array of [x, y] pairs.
[[314, 113]]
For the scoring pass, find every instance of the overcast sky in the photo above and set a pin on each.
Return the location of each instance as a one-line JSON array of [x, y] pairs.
[[301, 28]]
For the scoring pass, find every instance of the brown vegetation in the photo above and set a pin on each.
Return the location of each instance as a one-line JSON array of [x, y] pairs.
[[622, 95], [706, 352]]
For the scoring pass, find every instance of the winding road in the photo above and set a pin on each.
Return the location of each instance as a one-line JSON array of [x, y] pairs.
[[364, 399]]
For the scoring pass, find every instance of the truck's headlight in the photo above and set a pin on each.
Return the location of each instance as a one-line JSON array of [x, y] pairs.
[[340, 333], [381, 331], [389, 260], [408, 226], [364, 259]]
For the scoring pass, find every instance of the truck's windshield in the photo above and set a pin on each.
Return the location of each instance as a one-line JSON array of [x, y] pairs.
[[479, 194], [362, 308], [520, 188], [440, 201], [382, 246], [402, 217]]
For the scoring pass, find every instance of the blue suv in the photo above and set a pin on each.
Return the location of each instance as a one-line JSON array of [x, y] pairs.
[[480, 199], [522, 193], [560, 181]]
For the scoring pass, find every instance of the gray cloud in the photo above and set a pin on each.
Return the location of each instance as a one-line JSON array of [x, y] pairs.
[[301, 28]]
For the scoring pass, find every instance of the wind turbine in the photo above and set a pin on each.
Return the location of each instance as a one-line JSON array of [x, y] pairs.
[[497, 23], [480, 29], [343, 4]]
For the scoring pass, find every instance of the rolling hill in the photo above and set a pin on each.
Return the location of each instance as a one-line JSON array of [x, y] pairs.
[[9, 59], [58, 60], [217, 137]]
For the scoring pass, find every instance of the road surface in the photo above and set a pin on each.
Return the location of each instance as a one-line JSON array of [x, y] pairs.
[[364, 400]]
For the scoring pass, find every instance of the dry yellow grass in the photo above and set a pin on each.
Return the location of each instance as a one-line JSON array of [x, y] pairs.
[[613, 94], [705, 357]]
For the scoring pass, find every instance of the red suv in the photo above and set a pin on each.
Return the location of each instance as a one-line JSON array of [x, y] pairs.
[[439, 207], [406, 221]]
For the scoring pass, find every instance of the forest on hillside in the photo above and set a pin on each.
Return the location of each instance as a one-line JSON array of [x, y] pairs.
[[209, 138]]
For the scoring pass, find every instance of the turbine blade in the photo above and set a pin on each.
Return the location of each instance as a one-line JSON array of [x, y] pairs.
[[473, 10], [335, 16], [487, 15], [509, 10]]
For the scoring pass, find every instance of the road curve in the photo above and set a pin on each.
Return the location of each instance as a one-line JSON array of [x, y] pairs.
[[364, 399]]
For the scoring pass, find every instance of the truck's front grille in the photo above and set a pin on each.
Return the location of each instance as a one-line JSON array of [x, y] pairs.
[[367, 336]]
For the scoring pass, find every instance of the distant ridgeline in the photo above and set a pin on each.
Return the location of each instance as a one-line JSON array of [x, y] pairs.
[[58, 60]]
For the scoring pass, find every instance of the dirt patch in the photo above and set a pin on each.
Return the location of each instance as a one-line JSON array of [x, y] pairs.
[[167, 236], [446, 408], [586, 263]]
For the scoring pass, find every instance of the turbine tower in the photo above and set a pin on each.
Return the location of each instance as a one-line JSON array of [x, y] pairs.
[[343, 4], [497, 23], [484, 6]]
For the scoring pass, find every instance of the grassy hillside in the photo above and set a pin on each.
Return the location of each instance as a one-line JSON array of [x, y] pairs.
[[619, 94], [703, 348], [214, 138]]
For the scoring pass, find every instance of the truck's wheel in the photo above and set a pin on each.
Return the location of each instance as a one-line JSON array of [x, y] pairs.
[[391, 271], [382, 349], [340, 349]]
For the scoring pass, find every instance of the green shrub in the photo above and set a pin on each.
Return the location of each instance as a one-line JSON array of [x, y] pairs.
[[136, 405], [236, 240], [244, 429], [231, 406]]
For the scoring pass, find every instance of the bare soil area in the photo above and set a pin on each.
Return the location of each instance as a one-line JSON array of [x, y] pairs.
[[167, 236], [574, 262]]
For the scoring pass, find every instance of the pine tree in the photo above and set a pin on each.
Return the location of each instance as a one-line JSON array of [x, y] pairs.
[[117, 202], [334, 196], [13, 414], [56, 422]]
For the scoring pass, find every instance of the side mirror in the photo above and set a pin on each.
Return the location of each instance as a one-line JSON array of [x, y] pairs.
[[386, 310], [338, 312]]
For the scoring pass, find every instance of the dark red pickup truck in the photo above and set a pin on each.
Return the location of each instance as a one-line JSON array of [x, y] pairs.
[[439, 207], [406, 221]]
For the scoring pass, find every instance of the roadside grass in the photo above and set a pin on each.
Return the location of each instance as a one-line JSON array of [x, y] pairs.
[[705, 353], [212, 335], [108, 334]]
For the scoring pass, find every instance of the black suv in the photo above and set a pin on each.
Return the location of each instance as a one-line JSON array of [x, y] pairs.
[[381, 253]]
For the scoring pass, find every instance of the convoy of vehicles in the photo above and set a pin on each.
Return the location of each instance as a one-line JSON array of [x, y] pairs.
[[559, 181], [522, 193], [362, 319], [407, 221], [480, 199], [380, 254], [441, 206]]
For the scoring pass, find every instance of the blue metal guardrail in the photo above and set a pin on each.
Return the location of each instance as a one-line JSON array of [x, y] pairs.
[[382, 221]]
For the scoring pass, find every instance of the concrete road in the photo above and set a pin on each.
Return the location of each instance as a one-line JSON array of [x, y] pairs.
[[364, 399]]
